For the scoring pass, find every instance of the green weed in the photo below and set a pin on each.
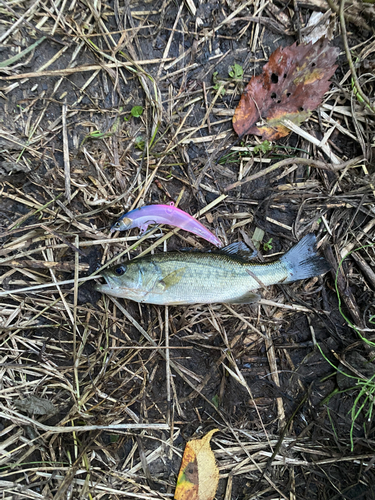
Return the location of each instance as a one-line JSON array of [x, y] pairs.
[[264, 148], [365, 399], [136, 112], [235, 71], [217, 83], [97, 134], [140, 143], [268, 246]]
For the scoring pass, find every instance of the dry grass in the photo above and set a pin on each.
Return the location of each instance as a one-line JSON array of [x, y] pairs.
[[98, 395]]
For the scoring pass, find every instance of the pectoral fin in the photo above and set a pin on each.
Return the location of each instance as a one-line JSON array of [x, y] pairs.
[[247, 298], [170, 280]]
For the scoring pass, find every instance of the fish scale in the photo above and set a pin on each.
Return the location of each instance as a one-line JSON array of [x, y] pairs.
[[205, 278]]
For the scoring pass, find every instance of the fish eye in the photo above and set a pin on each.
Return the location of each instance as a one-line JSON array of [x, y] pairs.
[[120, 270]]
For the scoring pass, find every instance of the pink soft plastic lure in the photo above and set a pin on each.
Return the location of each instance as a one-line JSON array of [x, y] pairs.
[[164, 214]]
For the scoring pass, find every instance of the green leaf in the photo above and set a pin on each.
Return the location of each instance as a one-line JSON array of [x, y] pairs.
[[267, 246], [217, 83], [215, 400], [18, 56], [140, 143], [136, 111], [235, 71], [264, 148]]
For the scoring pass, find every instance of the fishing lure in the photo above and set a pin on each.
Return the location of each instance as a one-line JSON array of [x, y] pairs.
[[164, 214]]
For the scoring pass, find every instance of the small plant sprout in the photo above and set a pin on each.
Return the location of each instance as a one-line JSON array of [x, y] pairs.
[[136, 111], [216, 401], [268, 246], [264, 148], [140, 143], [97, 134], [235, 71], [217, 83]]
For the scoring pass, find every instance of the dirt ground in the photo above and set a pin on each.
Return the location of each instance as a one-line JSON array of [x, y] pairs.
[[98, 395]]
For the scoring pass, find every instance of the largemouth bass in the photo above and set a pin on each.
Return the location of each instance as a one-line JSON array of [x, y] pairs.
[[174, 278]]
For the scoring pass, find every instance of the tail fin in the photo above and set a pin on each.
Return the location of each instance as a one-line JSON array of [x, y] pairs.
[[302, 260]]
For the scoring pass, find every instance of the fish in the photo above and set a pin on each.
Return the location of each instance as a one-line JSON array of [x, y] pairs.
[[224, 276], [164, 214]]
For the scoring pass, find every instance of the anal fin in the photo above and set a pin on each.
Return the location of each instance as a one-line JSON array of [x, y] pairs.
[[247, 298]]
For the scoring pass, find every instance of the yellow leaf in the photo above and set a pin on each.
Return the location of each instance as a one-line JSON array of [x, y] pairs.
[[199, 476]]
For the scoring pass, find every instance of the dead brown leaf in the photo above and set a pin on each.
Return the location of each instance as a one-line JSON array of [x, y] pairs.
[[291, 86]]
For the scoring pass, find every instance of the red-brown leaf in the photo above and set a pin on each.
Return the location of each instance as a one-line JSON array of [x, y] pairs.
[[291, 86]]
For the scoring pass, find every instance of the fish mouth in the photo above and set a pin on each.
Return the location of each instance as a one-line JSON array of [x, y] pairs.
[[102, 288], [108, 285], [111, 282], [115, 290]]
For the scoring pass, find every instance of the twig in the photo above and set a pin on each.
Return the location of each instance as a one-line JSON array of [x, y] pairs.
[[342, 285], [271, 355], [167, 367], [357, 20], [349, 58], [22, 19], [46, 285], [290, 161], [22, 419], [68, 194]]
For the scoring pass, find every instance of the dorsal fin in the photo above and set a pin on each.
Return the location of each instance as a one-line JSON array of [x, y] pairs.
[[239, 249]]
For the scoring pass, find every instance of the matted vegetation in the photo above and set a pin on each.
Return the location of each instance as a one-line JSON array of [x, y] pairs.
[[109, 106]]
